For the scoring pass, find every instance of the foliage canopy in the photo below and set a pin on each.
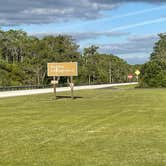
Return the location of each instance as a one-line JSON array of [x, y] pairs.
[[23, 60], [153, 73]]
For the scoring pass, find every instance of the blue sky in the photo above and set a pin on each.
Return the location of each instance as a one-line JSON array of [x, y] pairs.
[[127, 30]]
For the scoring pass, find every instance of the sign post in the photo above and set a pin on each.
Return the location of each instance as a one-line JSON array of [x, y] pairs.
[[65, 69], [54, 85], [72, 87]]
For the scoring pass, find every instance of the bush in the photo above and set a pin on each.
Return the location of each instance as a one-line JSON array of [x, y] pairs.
[[153, 74]]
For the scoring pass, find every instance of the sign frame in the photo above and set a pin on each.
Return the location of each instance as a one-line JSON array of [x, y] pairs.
[[71, 68]]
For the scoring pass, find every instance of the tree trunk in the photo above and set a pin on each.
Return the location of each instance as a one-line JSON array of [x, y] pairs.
[[43, 76]]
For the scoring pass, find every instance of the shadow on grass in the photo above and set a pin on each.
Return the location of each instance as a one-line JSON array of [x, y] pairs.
[[68, 97], [59, 98]]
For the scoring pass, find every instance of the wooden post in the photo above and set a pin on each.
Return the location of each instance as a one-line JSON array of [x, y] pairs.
[[137, 78], [72, 87], [68, 81], [54, 85]]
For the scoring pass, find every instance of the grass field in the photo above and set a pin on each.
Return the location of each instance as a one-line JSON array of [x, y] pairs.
[[107, 127]]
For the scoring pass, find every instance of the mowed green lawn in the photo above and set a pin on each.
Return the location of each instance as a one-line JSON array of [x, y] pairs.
[[107, 127]]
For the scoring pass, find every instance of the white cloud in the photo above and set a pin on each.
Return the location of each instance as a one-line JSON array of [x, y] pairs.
[[135, 44], [13, 12], [148, 22], [83, 35]]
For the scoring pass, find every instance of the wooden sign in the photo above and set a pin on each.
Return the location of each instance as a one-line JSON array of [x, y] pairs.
[[62, 69], [54, 82]]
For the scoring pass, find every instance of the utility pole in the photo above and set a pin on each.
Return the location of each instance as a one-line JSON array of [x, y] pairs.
[[110, 72]]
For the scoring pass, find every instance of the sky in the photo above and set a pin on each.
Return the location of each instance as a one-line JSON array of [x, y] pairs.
[[126, 28]]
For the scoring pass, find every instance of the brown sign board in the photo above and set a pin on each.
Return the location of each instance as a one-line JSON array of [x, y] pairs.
[[62, 69]]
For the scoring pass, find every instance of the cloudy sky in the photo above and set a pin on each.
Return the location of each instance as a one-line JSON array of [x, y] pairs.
[[127, 28]]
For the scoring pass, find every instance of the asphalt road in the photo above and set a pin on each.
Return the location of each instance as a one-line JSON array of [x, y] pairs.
[[61, 89]]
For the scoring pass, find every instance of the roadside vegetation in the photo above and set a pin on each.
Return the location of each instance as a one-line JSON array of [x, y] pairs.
[[153, 73], [23, 60]]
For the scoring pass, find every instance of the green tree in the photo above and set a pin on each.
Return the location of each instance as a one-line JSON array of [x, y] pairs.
[[23, 60], [90, 60], [153, 73]]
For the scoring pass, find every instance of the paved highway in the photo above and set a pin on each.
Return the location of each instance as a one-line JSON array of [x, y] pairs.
[[61, 89]]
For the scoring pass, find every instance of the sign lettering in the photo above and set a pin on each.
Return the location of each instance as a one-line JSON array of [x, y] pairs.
[[62, 69]]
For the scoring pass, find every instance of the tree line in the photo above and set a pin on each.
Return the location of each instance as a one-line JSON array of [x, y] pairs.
[[153, 73], [23, 60]]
